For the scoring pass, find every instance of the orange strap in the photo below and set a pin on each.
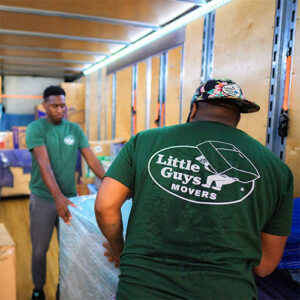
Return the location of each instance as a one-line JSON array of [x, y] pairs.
[[162, 115], [287, 83], [21, 96]]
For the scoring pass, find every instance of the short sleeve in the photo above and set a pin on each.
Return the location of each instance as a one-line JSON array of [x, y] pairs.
[[83, 141], [122, 168], [281, 221], [34, 136]]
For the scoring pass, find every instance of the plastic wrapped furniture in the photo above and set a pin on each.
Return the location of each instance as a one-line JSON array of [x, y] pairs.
[[84, 271]]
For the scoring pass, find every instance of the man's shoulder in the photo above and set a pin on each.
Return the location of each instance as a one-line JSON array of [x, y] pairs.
[[36, 125], [72, 125], [161, 130]]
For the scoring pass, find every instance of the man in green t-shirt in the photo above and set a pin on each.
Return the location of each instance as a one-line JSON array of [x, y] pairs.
[[211, 206], [54, 143]]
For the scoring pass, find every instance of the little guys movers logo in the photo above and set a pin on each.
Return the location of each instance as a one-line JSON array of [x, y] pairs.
[[69, 140], [212, 172]]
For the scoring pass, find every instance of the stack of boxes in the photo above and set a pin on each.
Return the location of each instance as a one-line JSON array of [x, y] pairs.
[[7, 265], [6, 140], [15, 139], [105, 151], [19, 137]]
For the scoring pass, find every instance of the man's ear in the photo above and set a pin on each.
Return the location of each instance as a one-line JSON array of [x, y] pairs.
[[193, 112], [44, 104]]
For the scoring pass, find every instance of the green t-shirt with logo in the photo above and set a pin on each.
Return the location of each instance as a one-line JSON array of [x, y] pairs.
[[202, 194], [62, 142]]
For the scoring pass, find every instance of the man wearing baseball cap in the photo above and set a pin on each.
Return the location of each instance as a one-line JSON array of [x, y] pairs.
[[211, 205]]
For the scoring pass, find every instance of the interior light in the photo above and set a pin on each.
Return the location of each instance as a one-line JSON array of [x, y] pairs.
[[195, 14]]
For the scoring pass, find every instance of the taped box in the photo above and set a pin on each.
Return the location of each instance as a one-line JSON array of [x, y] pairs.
[[7, 265], [6, 140], [39, 112], [104, 151], [19, 135], [103, 148]]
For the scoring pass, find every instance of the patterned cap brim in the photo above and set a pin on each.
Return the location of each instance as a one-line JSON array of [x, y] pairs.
[[245, 105]]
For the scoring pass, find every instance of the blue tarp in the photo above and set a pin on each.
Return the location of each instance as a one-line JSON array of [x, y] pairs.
[[13, 158], [7, 121]]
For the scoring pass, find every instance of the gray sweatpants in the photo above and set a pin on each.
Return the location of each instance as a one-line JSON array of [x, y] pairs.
[[43, 219]]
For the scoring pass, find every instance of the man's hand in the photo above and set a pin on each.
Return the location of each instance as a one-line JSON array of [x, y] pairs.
[[111, 256], [62, 203]]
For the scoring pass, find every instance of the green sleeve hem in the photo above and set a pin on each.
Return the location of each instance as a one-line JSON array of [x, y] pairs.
[[279, 233], [30, 147], [119, 180]]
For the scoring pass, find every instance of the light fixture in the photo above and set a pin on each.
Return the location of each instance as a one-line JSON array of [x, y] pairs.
[[195, 14]]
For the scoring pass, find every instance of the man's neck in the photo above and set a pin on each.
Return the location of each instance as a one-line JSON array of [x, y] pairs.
[[53, 122], [224, 114], [218, 119]]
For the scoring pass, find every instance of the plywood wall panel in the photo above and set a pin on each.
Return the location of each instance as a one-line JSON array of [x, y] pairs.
[[154, 89], [141, 96], [243, 53], [103, 99], [75, 101], [93, 86], [292, 155], [123, 103], [172, 106], [109, 107], [192, 63]]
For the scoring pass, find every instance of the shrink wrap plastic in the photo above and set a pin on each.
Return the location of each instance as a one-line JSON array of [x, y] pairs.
[[85, 272]]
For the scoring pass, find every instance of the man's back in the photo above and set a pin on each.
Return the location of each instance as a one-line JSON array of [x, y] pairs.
[[203, 193]]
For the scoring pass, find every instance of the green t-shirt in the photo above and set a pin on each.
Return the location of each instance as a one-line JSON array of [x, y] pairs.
[[202, 194], [62, 142]]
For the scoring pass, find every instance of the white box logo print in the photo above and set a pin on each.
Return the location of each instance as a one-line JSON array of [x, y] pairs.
[[213, 172]]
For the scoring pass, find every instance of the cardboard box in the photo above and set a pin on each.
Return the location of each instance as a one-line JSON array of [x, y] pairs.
[[7, 265], [39, 112], [76, 114], [19, 134], [6, 140], [103, 148]]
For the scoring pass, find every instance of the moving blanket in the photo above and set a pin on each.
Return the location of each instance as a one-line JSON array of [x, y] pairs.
[[84, 271], [13, 158]]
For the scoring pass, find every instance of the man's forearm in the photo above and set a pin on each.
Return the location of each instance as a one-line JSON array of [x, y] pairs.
[[97, 168], [113, 231]]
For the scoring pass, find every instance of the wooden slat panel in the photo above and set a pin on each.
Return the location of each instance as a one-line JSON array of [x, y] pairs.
[[172, 105], [154, 89], [109, 108], [75, 27], [243, 51], [52, 43], [75, 101], [144, 11], [293, 140], [141, 96], [39, 63], [54, 55], [123, 103], [93, 106], [192, 63]]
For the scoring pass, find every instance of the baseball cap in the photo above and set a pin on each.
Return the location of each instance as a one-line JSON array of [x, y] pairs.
[[224, 89]]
